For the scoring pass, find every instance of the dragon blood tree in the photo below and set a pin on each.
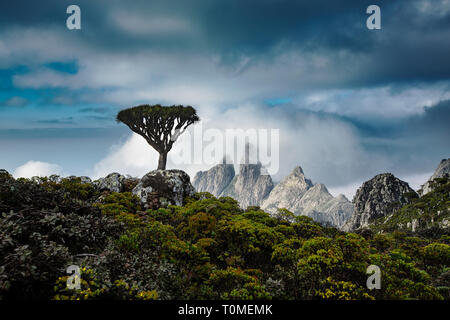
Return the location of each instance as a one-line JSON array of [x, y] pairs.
[[159, 125]]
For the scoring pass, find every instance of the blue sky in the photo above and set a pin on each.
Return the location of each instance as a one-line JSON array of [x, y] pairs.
[[349, 102]]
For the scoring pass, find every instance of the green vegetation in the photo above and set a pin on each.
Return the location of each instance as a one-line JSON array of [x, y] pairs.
[[207, 249], [428, 216]]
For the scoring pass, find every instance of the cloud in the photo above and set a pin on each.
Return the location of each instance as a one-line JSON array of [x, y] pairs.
[[328, 149], [349, 102], [415, 181], [14, 102], [37, 168], [348, 191], [146, 24], [134, 157]]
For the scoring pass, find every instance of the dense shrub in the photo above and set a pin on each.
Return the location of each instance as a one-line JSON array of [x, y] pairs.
[[207, 249]]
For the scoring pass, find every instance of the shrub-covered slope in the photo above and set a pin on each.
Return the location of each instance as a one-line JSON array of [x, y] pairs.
[[428, 215], [207, 249]]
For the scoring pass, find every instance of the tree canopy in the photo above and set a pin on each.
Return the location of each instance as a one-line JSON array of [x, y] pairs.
[[159, 125]]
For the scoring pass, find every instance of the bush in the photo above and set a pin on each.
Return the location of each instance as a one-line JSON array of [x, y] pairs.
[[207, 249]]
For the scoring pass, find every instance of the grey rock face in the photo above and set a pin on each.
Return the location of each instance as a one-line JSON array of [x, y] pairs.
[[378, 197], [214, 180], [250, 187], [113, 182], [160, 188], [55, 178], [37, 180], [442, 171], [301, 197], [287, 194], [85, 180], [82, 179], [335, 212]]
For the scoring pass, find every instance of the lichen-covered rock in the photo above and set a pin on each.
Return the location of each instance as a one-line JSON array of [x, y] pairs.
[[378, 197], [55, 178], [37, 180], [84, 179], [442, 171], [214, 180], [113, 182], [159, 188]]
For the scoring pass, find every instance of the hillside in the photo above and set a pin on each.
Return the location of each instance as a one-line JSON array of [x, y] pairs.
[[428, 215], [207, 248]]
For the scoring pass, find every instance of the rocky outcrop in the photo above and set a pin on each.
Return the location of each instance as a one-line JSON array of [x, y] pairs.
[[442, 171], [378, 197], [113, 182], [159, 188], [214, 180], [250, 187], [301, 197], [81, 179], [56, 178]]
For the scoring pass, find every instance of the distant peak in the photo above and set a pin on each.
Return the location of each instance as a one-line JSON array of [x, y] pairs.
[[342, 197], [321, 187], [298, 170]]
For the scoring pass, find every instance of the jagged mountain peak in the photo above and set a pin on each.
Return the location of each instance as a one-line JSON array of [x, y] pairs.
[[297, 179], [378, 197], [342, 197], [297, 171], [320, 187], [299, 195], [442, 171], [214, 180], [251, 186]]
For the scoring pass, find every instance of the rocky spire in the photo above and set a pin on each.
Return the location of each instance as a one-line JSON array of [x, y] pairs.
[[250, 187], [442, 171], [380, 196], [300, 196], [214, 180], [288, 192]]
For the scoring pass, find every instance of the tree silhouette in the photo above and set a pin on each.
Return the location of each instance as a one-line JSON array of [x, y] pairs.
[[159, 125]]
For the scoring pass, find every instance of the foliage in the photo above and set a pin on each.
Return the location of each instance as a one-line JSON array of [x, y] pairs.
[[116, 203], [207, 249], [428, 215], [39, 239]]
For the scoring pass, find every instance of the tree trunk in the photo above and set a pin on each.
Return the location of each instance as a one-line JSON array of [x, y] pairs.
[[162, 161]]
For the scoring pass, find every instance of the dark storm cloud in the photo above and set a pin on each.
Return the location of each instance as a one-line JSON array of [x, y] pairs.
[[413, 44], [351, 100], [416, 143]]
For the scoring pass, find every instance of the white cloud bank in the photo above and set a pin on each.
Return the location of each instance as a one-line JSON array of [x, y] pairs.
[[37, 168], [328, 150]]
